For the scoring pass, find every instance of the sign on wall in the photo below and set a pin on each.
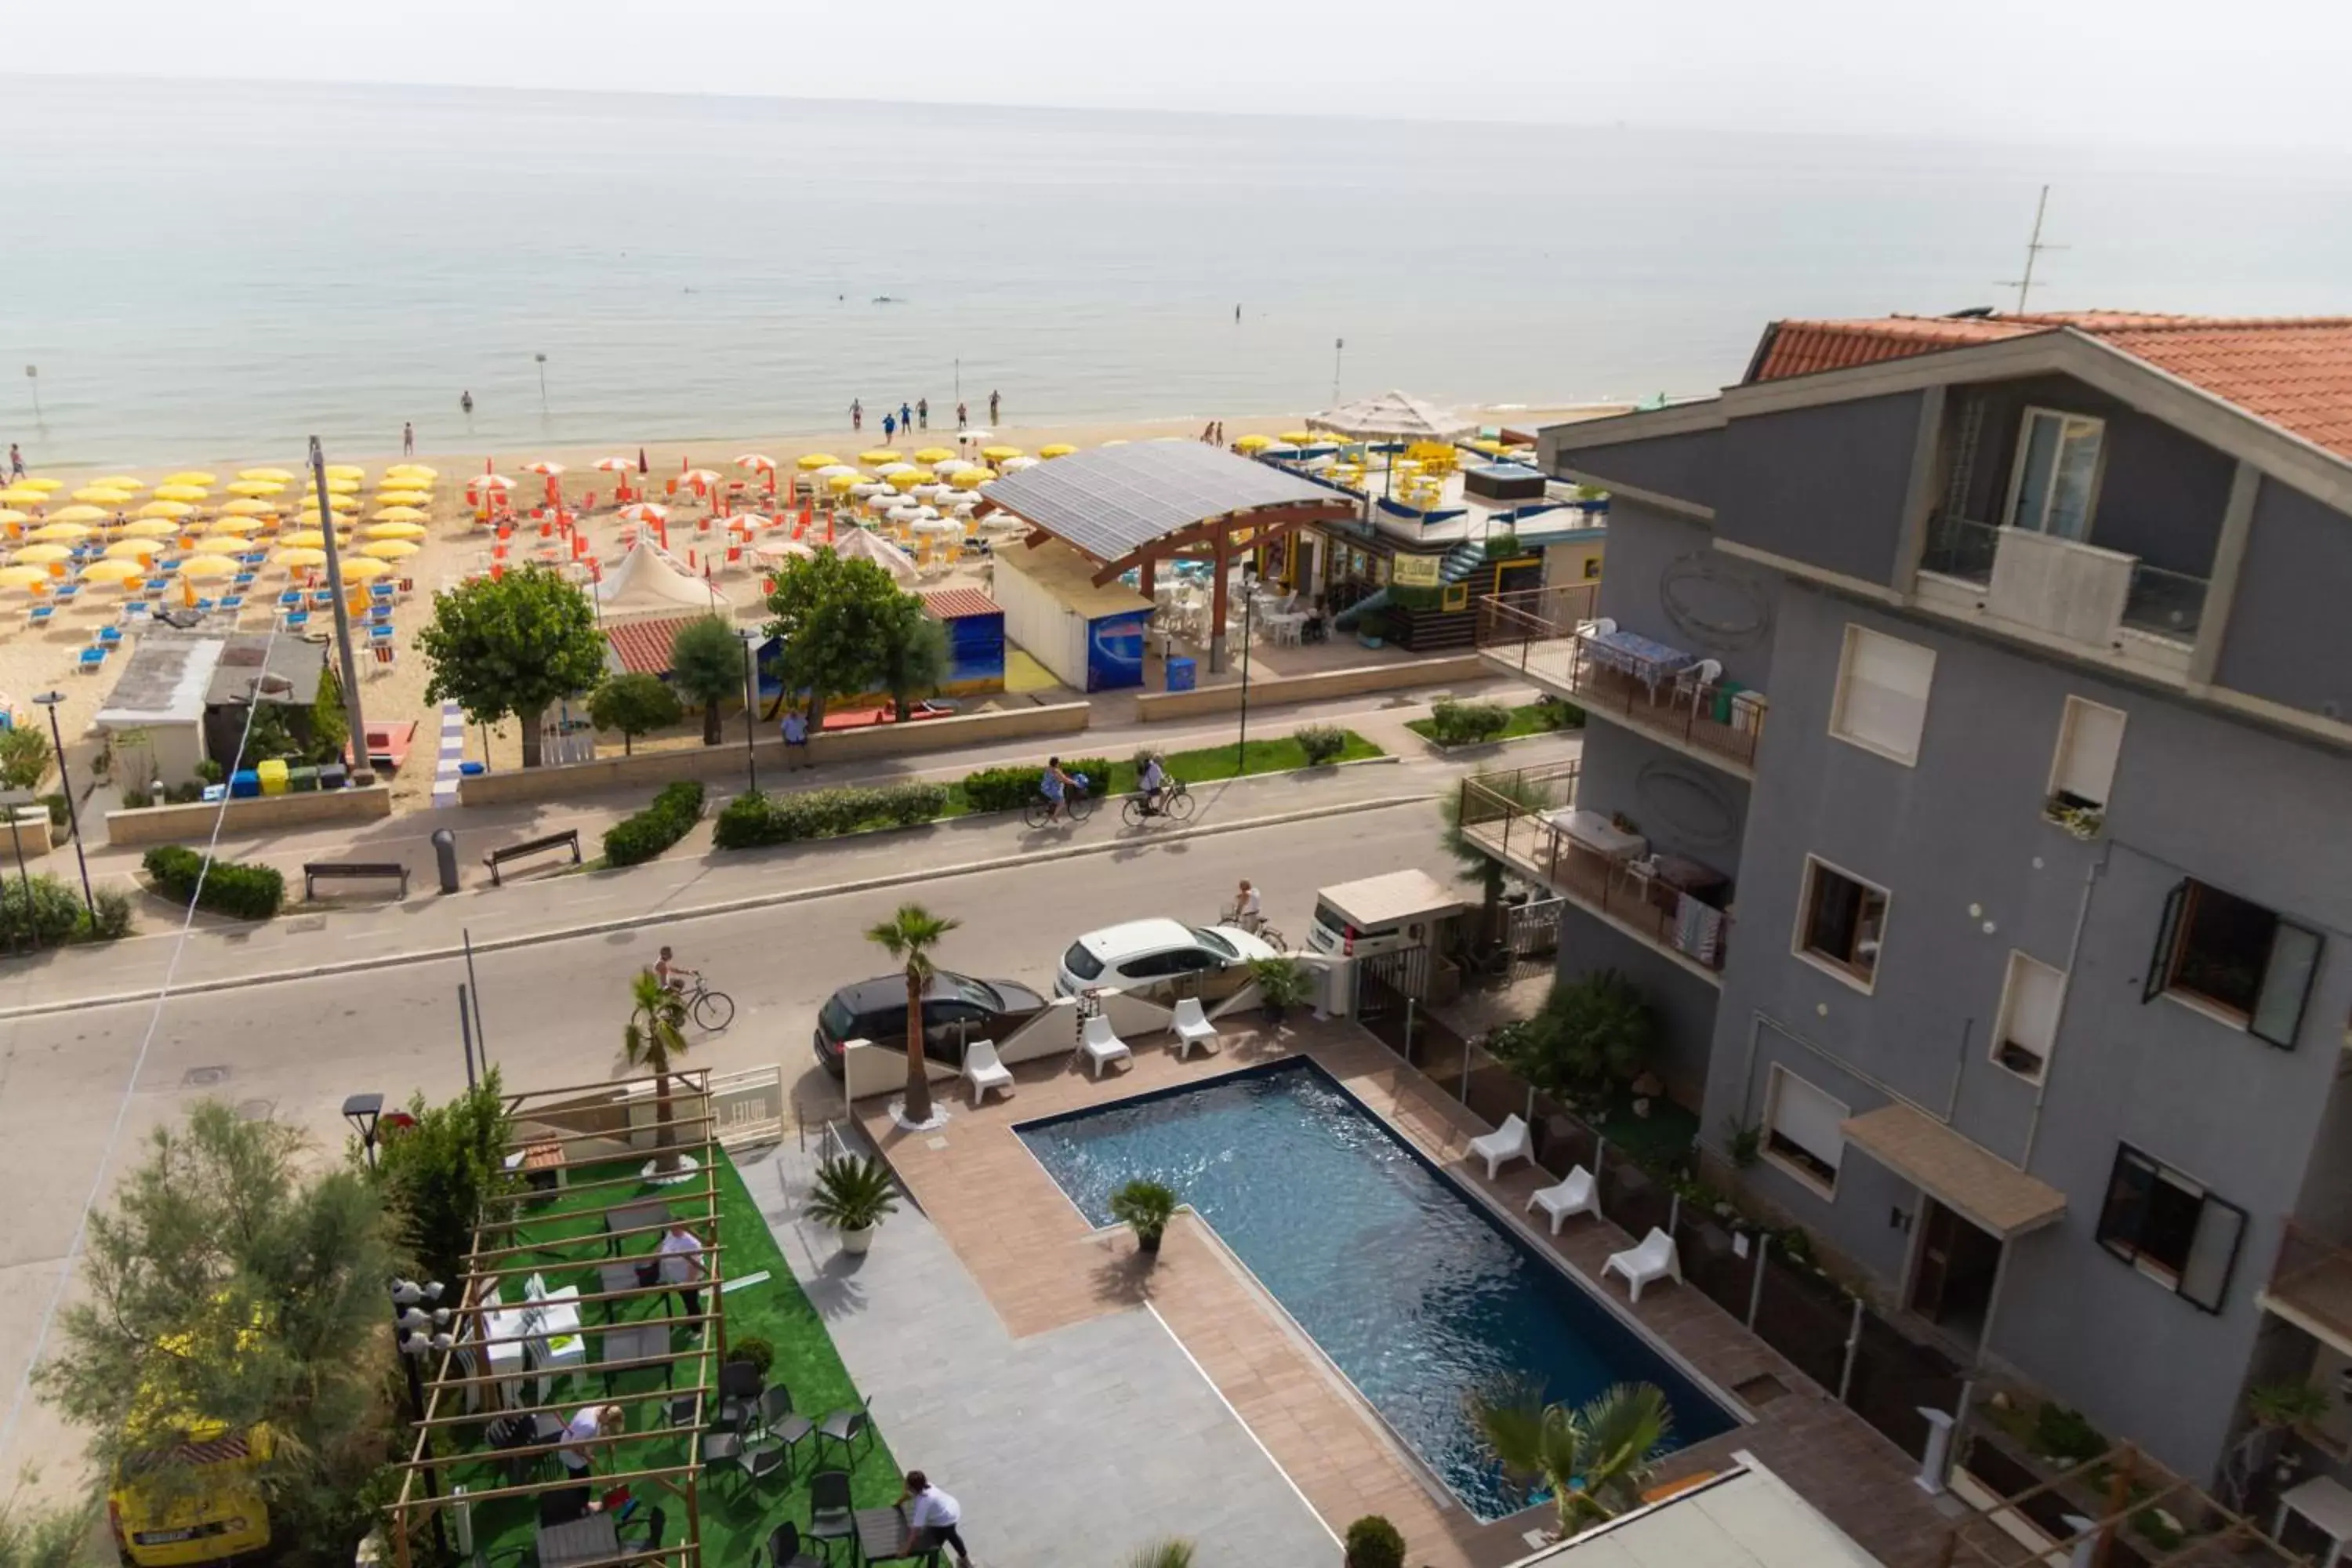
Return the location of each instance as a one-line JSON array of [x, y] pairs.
[[1415, 571]]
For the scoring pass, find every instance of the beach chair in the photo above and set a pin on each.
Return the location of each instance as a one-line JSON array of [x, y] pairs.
[[387, 658], [293, 620], [1192, 1028], [91, 658], [1577, 1195], [984, 1071], [1509, 1142], [1655, 1259], [108, 638], [1101, 1045], [40, 615], [67, 594]]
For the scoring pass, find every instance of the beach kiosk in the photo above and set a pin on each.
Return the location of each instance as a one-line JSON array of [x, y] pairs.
[[1090, 635], [975, 633]]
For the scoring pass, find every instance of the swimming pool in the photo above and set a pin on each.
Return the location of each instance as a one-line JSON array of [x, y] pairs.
[[1413, 1288]]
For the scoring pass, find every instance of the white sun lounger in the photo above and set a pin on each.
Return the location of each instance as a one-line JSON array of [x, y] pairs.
[[984, 1071], [1655, 1259], [1577, 1195], [1101, 1045], [1508, 1142], [1192, 1029]]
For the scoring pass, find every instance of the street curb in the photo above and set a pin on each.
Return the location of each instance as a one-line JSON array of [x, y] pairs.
[[705, 912]]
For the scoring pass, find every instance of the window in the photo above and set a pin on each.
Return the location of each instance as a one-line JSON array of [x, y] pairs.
[[2236, 959], [1882, 695], [2090, 739], [1803, 1129], [2057, 468], [2171, 1228], [1841, 923], [2028, 1017]]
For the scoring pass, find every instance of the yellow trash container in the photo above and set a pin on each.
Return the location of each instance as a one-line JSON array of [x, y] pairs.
[[273, 776]]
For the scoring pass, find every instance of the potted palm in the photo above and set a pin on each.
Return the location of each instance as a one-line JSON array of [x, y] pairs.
[[909, 936], [1282, 984], [1148, 1207], [854, 1194], [1593, 1458]]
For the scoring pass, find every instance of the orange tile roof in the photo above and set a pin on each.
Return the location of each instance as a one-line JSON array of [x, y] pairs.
[[954, 603], [2295, 373], [644, 646]]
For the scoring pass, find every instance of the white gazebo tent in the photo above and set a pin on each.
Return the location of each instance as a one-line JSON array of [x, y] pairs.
[[649, 582], [858, 544], [1392, 417]]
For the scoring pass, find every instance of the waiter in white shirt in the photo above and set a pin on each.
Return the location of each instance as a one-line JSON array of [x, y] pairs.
[[681, 1265], [932, 1517]]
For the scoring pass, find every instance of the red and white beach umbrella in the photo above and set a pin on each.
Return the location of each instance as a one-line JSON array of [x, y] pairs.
[[617, 465], [756, 462], [545, 467], [646, 511], [697, 478], [489, 482]]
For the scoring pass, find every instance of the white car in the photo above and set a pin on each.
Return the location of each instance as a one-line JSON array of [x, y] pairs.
[[1161, 959]]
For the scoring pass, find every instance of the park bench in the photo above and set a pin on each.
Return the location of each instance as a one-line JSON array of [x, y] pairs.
[[567, 839], [316, 871]]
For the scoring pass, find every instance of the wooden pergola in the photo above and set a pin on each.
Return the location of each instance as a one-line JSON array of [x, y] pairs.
[[501, 1253]]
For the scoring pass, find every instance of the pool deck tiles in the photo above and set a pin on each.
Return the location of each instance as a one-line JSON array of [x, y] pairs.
[[1041, 1268]]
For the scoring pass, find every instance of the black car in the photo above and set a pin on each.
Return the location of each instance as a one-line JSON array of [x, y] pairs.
[[956, 1008]]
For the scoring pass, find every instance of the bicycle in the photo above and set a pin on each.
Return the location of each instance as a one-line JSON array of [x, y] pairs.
[[710, 1010], [1077, 805], [1257, 926], [1175, 805]]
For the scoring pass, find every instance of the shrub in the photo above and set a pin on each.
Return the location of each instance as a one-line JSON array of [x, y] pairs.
[[1374, 1542], [137, 800], [669, 818], [24, 758], [47, 914], [1009, 789], [61, 811], [209, 771], [113, 920], [187, 793], [751, 820], [1468, 723], [2063, 1434], [233, 888], [1503, 547], [1322, 742], [753, 1349]]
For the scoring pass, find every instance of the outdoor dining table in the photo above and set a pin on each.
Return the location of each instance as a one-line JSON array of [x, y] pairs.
[[1598, 834], [588, 1539], [1630, 653], [637, 1341], [636, 1217], [882, 1537]]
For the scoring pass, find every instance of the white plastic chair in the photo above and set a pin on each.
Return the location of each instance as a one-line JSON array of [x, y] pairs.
[[1102, 1044], [1577, 1195], [1655, 1259], [1693, 680], [984, 1071], [1508, 1142], [1192, 1029], [1599, 627]]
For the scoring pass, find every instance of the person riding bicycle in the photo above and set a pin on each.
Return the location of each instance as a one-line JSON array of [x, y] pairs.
[[1151, 782], [1249, 912], [673, 974], [1054, 785]]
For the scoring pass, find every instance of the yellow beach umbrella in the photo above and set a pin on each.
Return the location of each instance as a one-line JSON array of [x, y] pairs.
[[303, 539], [24, 578], [345, 471], [387, 527], [245, 506], [131, 550], [295, 560], [1120, 441], [254, 488], [25, 495], [8, 516], [1058, 449], [878, 455], [42, 483], [165, 508], [1297, 437], [196, 567], [998, 454], [235, 527], [151, 527], [400, 517], [404, 498], [42, 555], [192, 476], [933, 455], [181, 492], [971, 478], [418, 470], [337, 500], [119, 482], [118, 569], [1253, 443], [79, 514], [104, 495], [842, 484], [58, 533], [275, 476], [809, 462], [906, 481], [391, 548], [335, 487], [364, 569]]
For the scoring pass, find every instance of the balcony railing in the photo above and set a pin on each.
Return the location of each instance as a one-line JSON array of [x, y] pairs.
[[1514, 817], [2159, 603], [1545, 644], [2311, 1285]]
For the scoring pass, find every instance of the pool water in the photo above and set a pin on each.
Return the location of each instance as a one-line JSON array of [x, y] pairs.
[[1413, 1288]]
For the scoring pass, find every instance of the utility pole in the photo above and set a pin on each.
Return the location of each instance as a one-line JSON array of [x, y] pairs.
[[2034, 250], [361, 774]]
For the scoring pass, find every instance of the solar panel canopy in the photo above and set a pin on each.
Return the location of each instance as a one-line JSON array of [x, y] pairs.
[[1113, 500]]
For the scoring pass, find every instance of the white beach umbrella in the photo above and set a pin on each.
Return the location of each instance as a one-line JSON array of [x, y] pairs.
[[953, 465], [1014, 465], [887, 469]]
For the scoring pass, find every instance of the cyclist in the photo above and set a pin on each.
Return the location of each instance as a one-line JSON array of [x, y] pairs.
[[673, 974], [1054, 785], [1151, 782], [1249, 912]]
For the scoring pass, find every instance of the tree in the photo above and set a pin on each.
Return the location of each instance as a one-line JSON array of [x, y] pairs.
[[1593, 1459], [435, 1175], [1489, 794], [834, 620], [1591, 1031], [706, 664], [227, 1291], [34, 1537], [909, 936], [507, 647], [331, 721], [24, 757], [913, 654], [634, 704], [655, 1038]]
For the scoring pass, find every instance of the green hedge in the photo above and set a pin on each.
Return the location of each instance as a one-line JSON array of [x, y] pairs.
[[1467, 723], [231, 888], [751, 820], [669, 818], [1009, 789]]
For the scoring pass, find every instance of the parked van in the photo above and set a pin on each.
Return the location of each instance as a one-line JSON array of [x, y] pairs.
[[210, 1514], [1382, 914]]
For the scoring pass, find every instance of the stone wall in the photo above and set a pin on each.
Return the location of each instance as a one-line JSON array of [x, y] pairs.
[[259, 814], [1353, 681]]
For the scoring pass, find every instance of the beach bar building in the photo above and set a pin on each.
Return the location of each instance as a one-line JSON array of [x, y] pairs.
[[975, 632], [1089, 634]]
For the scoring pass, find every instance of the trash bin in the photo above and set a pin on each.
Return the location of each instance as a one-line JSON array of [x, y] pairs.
[[244, 784], [1180, 675], [302, 780], [272, 775], [334, 776], [444, 856]]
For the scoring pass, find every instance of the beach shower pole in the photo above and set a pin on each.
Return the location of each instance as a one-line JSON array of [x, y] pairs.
[[1338, 348], [362, 776]]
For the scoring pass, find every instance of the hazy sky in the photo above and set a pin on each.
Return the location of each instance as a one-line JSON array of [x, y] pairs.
[[2246, 72]]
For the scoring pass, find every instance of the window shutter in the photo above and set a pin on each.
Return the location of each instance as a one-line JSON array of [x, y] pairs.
[[2094, 741], [2128, 1190], [1808, 1119], [2167, 933], [2213, 1254], [1884, 703], [2287, 985], [2033, 1019]]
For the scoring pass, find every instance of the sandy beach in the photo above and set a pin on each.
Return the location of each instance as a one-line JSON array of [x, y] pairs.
[[34, 660]]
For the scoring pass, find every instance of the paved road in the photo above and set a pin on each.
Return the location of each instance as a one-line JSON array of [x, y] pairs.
[[553, 1013]]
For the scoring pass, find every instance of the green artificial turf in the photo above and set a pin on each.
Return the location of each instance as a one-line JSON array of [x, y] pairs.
[[737, 1514]]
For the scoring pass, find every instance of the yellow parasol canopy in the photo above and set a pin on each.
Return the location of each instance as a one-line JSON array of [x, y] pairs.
[[245, 506], [192, 476], [43, 483], [1058, 449], [404, 498], [933, 455], [412, 470], [1299, 438], [104, 495], [78, 514], [278, 475], [335, 487], [42, 555], [391, 548], [131, 550], [181, 492], [165, 508], [117, 569], [1253, 443], [250, 487], [295, 560], [119, 482], [998, 454], [8, 516], [22, 578], [878, 455], [25, 495], [809, 462], [364, 569], [151, 527], [235, 527], [304, 539], [389, 527], [841, 484], [971, 478], [344, 471], [58, 533], [201, 566]]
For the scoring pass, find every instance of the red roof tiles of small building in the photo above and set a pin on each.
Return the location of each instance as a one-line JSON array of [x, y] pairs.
[[644, 646], [2295, 373], [954, 603]]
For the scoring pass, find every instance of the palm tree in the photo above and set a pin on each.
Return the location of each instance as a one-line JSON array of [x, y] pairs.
[[909, 936], [655, 1038], [1480, 864], [1173, 1553], [1593, 1459]]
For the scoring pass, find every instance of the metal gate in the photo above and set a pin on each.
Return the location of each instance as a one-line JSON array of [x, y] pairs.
[[1387, 987]]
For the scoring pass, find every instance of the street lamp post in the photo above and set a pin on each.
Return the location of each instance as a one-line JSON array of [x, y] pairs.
[[1241, 744], [49, 700], [363, 1111], [750, 638], [361, 775], [420, 1333]]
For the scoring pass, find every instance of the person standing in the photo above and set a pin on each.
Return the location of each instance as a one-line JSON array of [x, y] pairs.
[[681, 1253], [408, 438], [466, 401], [992, 398], [923, 413], [963, 416], [889, 428], [933, 1519], [589, 1421], [796, 740], [906, 415], [15, 461], [856, 414]]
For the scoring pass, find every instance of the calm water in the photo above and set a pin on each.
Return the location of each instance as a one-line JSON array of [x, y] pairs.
[[214, 270], [1415, 1293]]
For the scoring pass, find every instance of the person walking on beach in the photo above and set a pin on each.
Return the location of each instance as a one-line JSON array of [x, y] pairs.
[[15, 462], [906, 416], [963, 416], [889, 428], [992, 398], [856, 414], [408, 438], [923, 413]]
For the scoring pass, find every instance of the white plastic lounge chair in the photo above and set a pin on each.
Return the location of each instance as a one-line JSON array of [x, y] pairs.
[[1577, 1195], [984, 1071], [1101, 1044], [1655, 1259], [1192, 1029], [1508, 1142]]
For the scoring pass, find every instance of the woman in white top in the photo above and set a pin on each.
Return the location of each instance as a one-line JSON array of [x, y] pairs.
[[589, 1421], [932, 1518], [681, 1265]]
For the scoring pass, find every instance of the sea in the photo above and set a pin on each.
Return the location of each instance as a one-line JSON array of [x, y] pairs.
[[215, 271]]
